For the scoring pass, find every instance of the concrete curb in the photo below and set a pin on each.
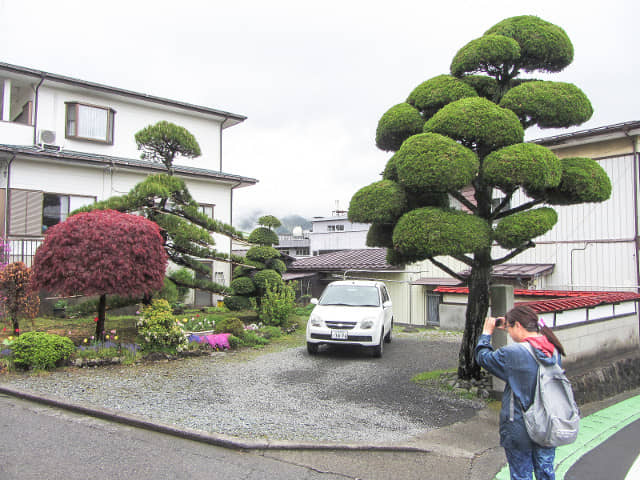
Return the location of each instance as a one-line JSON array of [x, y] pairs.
[[219, 440]]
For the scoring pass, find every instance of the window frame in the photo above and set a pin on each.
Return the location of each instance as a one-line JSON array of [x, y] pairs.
[[110, 112]]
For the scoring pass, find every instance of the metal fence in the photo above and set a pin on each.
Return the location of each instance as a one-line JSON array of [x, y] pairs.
[[23, 250]]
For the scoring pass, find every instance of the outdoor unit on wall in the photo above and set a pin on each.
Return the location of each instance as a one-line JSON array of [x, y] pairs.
[[48, 139]]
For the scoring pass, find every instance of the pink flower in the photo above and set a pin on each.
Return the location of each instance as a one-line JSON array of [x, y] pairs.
[[95, 319]]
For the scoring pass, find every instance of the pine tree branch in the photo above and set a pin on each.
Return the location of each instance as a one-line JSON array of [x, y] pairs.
[[461, 198], [524, 206], [517, 251], [446, 269]]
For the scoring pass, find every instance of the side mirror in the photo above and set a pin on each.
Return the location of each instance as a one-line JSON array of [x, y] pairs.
[[387, 304], [314, 301]]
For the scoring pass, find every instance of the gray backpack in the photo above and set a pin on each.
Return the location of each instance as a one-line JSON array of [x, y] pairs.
[[553, 417]]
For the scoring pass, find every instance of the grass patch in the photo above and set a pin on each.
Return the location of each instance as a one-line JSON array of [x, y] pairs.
[[430, 377]]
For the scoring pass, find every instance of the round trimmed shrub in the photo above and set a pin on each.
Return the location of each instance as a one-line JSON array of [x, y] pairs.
[[434, 162], [487, 53], [231, 325], [381, 202], [41, 350], [242, 286], [277, 265], [390, 172], [533, 166], [543, 45], [396, 125], [263, 236], [380, 235], [519, 228], [548, 104], [477, 121], [236, 303], [427, 199], [430, 231], [262, 253], [266, 277], [583, 180], [435, 93], [242, 271]]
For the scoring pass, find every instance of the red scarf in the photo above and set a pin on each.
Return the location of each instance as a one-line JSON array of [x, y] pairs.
[[542, 343]]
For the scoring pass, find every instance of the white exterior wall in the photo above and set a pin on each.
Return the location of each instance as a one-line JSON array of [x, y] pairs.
[[354, 235], [130, 117], [592, 245]]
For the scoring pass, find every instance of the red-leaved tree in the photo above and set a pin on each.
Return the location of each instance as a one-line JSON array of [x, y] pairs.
[[19, 297], [101, 252]]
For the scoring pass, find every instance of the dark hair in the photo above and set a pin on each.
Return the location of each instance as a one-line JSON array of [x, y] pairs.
[[526, 317]]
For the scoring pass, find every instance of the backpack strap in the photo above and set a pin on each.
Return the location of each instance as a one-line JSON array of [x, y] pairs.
[[529, 348]]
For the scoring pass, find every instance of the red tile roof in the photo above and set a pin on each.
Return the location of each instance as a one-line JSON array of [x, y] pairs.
[[559, 300]]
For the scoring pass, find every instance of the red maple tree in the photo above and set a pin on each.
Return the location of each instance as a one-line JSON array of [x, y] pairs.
[[20, 299], [100, 253]]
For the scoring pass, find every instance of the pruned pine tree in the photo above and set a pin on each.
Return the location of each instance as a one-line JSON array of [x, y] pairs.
[[187, 232], [465, 131], [164, 141]]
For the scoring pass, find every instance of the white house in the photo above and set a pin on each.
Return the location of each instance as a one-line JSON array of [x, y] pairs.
[[330, 234], [65, 143]]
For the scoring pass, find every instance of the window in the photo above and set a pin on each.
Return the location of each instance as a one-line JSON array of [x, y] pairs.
[[335, 228], [88, 122], [56, 208], [206, 209], [302, 251]]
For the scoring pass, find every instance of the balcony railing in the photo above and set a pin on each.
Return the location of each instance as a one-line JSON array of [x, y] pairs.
[[23, 250]]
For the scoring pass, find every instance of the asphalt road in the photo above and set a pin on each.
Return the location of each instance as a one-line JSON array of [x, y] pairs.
[[42, 443]]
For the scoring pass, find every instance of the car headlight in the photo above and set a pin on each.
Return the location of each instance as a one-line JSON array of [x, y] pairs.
[[315, 320], [367, 323]]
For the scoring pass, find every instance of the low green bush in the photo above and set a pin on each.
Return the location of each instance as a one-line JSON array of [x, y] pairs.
[[252, 339], [269, 332], [237, 302], [157, 328], [41, 350], [231, 325]]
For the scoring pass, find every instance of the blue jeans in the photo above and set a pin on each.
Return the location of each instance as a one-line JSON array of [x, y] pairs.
[[524, 462]]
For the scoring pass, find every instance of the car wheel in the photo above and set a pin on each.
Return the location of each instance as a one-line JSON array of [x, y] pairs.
[[387, 338], [312, 348], [376, 351]]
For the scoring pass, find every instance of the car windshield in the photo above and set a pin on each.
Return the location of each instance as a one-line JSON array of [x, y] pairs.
[[350, 295]]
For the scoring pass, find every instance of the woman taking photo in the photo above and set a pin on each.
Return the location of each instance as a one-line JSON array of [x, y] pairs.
[[518, 369]]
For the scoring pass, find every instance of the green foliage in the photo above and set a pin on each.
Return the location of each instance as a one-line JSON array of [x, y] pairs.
[[234, 342], [169, 292], [390, 172], [487, 87], [182, 276], [380, 235], [17, 296], [432, 162], [583, 180], [232, 325], [90, 307], [262, 253], [236, 303], [429, 231], [267, 277], [428, 198], [277, 265], [263, 236], [396, 125], [527, 164], [269, 331], [486, 54], [382, 202], [252, 339], [242, 286], [269, 221], [477, 122], [548, 104], [543, 45], [517, 229], [157, 328], [164, 140], [277, 304], [41, 350], [435, 93]]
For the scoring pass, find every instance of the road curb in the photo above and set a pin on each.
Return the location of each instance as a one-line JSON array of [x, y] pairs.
[[219, 440]]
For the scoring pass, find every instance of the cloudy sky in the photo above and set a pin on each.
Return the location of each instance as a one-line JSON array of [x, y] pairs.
[[313, 78]]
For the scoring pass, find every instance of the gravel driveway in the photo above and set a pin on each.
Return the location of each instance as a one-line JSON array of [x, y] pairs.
[[338, 395]]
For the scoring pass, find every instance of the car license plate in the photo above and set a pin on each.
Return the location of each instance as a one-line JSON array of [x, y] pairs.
[[339, 335]]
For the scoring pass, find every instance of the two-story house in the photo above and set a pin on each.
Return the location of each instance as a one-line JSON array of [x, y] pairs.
[[65, 143]]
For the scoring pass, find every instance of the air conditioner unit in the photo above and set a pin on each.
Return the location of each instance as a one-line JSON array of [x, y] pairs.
[[47, 137]]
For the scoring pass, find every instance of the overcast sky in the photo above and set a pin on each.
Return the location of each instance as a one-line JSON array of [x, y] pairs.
[[313, 78]]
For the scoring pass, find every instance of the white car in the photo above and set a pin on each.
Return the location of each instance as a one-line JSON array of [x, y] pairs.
[[352, 312]]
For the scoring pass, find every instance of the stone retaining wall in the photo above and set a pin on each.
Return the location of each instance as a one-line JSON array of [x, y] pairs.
[[606, 380]]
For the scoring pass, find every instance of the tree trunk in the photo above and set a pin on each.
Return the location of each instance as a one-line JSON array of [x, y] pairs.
[[16, 325], [477, 308], [102, 307]]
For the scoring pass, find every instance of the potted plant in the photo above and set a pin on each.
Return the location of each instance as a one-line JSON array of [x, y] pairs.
[[60, 308]]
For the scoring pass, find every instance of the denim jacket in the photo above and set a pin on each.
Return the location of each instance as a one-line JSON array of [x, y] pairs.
[[516, 367]]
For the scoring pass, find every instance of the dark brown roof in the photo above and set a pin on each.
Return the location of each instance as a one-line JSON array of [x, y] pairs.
[[361, 259]]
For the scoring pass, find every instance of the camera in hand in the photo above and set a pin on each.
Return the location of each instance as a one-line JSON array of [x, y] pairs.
[[500, 322]]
